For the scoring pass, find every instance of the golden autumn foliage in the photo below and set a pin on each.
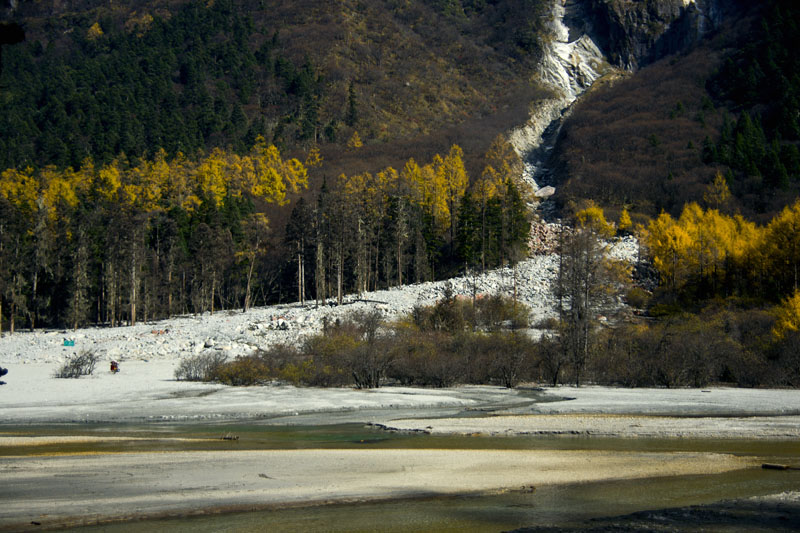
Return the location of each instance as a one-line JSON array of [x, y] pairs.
[[455, 180], [94, 32], [19, 188], [57, 191], [158, 183], [594, 218], [354, 142], [314, 158], [780, 248], [787, 316], [438, 186], [502, 164], [625, 222], [717, 194], [428, 190], [667, 242], [701, 245], [106, 182]]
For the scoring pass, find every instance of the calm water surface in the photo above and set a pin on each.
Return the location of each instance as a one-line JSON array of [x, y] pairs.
[[563, 505]]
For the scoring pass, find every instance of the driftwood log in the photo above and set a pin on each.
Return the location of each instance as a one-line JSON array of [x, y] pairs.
[[774, 466]]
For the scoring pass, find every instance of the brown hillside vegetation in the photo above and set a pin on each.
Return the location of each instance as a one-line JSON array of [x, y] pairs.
[[421, 76], [638, 143], [422, 80]]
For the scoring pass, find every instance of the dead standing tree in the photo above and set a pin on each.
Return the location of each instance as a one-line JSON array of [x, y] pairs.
[[588, 285]]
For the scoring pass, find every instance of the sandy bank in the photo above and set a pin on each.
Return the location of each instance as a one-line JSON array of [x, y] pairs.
[[13, 441], [54, 490]]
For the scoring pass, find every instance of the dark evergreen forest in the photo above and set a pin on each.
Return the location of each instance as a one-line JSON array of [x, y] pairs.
[[179, 83]]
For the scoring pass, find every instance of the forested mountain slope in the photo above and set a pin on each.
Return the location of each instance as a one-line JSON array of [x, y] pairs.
[[188, 156], [148, 164], [657, 139], [94, 79]]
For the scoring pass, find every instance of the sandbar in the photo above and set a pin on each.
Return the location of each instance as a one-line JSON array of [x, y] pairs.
[[85, 489]]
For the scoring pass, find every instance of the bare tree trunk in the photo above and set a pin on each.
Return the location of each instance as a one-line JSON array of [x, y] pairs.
[[301, 281], [32, 314], [399, 262], [360, 260], [247, 288], [133, 284], [320, 292], [483, 236], [377, 273], [213, 289], [170, 267], [514, 273], [11, 318], [339, 268]]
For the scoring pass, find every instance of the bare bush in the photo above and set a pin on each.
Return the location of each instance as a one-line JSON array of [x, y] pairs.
[[200, 367], [80, 364], [512, 355], [243, 371], [427, 358]]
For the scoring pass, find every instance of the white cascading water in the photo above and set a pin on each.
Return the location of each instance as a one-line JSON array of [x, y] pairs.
[[569, 68]]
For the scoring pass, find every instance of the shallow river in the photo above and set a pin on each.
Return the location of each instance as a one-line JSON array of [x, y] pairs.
[[564, 506]]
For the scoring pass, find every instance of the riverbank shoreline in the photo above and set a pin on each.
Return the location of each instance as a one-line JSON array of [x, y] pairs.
[[60, 462]]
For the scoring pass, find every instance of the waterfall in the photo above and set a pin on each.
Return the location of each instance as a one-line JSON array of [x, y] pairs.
[[569, 68]]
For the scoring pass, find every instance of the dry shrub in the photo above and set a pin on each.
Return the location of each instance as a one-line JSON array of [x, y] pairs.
[[80, 364], [244, 371], [201, 367], [425, 358]]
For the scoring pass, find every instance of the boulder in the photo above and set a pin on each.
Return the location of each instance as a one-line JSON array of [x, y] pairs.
[[546, 192]]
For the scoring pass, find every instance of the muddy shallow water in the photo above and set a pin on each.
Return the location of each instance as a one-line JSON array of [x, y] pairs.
[[572, 506], [562, 505]]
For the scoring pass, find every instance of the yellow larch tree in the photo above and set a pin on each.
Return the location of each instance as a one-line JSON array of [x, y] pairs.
[[314, 157], [354, 142], [210, 179], [410, 176], [717, 194], [106, 182], [274, 175], [625, 222], [455, 181], [144, 184], [57, 192], [782, 247], [668, 244], [502, 164], [787, 316], [436, 193], [714, 237], [94, 32], [20, 189], [594, 218]]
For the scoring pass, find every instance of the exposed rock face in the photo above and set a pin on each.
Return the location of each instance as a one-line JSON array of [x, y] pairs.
[[633, 33]]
